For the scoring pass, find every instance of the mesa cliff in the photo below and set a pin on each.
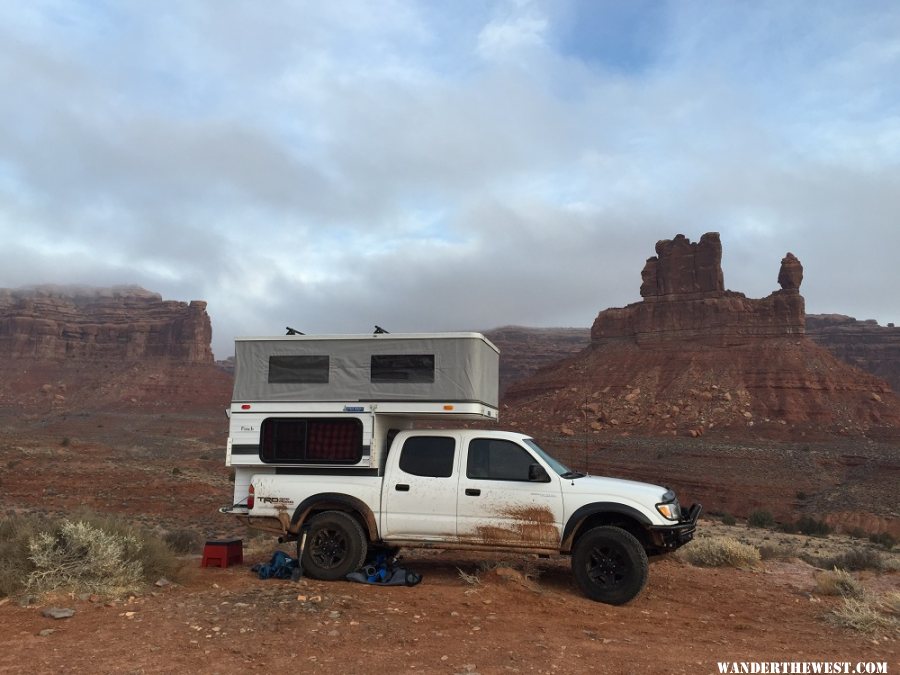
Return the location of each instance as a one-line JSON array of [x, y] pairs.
[[67, 349], [114, 324]]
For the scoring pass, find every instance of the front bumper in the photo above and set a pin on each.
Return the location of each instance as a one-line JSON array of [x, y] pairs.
[[667, 538]]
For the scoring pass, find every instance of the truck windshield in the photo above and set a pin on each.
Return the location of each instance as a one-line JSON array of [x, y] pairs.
[[554, 463]]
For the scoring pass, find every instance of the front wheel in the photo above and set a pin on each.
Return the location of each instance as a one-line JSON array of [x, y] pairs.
[[335, 546], [610, 565]]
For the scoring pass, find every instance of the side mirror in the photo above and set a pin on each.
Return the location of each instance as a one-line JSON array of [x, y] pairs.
[[537, 474]]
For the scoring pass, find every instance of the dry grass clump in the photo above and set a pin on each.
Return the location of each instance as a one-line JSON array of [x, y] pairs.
[[867, 614], [720, 552], [87, 554], [15, 534], [854, 560], [471, 579], [838, 582], [184, 540]]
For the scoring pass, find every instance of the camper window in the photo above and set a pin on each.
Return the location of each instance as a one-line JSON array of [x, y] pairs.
[[298, 369], [297, 440], [386, 368]]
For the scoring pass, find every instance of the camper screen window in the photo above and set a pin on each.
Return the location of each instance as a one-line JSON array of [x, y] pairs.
[[300, 441], [298, 369], [402, 368]]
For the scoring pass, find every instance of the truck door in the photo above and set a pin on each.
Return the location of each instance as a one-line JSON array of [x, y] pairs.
[[419, 499], [504, 500]]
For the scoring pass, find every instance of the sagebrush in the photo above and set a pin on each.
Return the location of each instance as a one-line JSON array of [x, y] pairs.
[[838, 582], [82, 554], [720, 552]]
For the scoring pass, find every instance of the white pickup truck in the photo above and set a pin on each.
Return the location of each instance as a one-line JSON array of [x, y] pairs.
[[343, 476]]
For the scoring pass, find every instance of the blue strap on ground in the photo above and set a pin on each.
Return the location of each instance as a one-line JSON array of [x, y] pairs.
[[280, 567]]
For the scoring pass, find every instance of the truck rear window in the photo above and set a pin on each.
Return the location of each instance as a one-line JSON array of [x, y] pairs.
[[297, 440], [428, 456]]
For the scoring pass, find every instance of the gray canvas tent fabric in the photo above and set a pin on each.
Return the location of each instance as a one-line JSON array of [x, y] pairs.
[[466, 368]]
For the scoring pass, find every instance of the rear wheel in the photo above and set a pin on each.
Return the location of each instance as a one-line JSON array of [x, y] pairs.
[[335, 546], [610, 565]]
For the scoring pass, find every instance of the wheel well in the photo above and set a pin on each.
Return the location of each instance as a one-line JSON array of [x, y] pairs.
[[619, 520], [349, 505]]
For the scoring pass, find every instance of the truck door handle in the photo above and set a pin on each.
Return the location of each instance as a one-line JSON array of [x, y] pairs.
[[401, 487], [473, 492]]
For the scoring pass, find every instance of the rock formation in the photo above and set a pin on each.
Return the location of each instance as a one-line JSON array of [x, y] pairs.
[[685, 300], [121, 323], [692, 356]]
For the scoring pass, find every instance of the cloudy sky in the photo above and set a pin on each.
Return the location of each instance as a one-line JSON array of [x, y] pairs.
[[446, 165]]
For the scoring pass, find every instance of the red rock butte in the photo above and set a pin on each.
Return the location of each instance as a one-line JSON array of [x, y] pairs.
[[692, 356], [684, 299]]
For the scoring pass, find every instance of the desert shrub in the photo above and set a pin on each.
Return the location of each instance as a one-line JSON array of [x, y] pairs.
[[728, 519], [883, 539], [176, 471], [852, 561], [183, 540], [720, 552], [838, 582], [87, 554], [865, 614], [788, 528], [760, 518], [857, 533], [471, 579], [15, 534], [65, 442], [801, 495], [813, 527], [84, 558]]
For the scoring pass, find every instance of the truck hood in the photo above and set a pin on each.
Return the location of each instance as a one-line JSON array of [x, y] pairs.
[[600, 487]]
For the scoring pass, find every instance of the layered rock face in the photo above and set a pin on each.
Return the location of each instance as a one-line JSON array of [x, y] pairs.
[[125, 323], [692, 356], [863, 344], [684, 299]]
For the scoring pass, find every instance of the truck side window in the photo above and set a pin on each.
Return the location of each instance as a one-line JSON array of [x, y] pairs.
[[428, 456], [496, 459]]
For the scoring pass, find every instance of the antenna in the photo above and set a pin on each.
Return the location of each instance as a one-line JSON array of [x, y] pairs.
[[293, 331], [380, 331]]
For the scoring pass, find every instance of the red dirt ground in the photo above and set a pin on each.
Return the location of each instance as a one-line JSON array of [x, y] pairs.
[[166, 470]]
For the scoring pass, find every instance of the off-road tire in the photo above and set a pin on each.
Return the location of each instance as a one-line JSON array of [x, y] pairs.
[[335, 546], [610, 565]]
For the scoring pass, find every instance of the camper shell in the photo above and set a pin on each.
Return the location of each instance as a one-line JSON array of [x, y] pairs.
[[333, 402]]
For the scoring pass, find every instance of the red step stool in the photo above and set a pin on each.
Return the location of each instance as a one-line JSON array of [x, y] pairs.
[[223, 553]]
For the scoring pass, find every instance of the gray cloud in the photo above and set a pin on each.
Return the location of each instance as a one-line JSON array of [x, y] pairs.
[[336, 165]]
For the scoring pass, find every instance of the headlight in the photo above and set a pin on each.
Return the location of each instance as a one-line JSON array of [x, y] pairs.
[[670, 510]]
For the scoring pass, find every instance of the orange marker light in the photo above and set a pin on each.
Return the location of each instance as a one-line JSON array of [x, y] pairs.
[[448, 407]]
